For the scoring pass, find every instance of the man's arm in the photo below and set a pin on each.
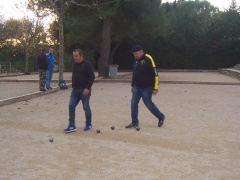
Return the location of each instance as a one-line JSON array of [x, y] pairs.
[[91, 76], [132, 82], [154, 72], [47, 60]]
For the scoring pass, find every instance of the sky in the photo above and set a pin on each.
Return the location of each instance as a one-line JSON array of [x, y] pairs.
[[221, 4], [8, 9], [17, 9]]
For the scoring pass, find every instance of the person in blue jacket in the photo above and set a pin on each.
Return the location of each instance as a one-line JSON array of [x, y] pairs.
[[50, 68]]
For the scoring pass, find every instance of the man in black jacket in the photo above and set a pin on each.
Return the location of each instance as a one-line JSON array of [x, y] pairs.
[[144, 84], [82, 81], [42, 63]]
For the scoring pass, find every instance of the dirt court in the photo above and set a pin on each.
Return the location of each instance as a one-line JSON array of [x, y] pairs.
[[199, 140]]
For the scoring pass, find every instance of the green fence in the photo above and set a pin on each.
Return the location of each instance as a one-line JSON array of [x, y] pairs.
[[19, 63]]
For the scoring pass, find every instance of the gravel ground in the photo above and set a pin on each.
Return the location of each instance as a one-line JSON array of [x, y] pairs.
[[199, 140]]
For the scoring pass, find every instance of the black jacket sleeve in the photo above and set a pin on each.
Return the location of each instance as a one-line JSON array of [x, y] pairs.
[[132, 80], [133, 84], [91, 76]]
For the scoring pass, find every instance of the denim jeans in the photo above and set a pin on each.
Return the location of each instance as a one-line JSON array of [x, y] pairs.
[[146, 95], [49, 79], [76, 96]]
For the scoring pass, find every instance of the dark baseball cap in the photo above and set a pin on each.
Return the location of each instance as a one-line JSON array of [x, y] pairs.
[[136, 48]]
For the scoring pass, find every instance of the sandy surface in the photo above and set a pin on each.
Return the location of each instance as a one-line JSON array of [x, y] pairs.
[[21, 87], [13, 89], [196, 76], [199, 140]]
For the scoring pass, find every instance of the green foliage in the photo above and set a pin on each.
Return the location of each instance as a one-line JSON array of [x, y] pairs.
[[83, 28], [108, 8], [21, 39], [183, 34]]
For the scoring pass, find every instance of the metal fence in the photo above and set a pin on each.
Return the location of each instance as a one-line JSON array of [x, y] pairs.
[[6, 67], [16, 65]]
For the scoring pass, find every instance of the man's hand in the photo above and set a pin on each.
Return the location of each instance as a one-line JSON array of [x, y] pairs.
[[86, 92], [155, 92], [132, 89]]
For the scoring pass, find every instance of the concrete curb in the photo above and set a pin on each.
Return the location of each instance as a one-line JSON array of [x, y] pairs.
[[11, 75], [27, 80], [231, 72], [202, 83], [97, 80], [16, 74], [166, 82], [27, 96]]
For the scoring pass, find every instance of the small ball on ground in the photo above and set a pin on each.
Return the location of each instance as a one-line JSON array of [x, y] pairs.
[[51, 139], [98, 130], [113, 127], [137, 128]]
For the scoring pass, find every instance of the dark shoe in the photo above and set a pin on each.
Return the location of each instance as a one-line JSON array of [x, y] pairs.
[[43, 90], [132, 125], [88, 128], [70, 129], [161, 121]]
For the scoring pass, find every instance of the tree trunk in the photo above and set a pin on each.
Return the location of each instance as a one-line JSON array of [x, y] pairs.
[[61, 48], [103, 69], [113, 52], [26, 60]]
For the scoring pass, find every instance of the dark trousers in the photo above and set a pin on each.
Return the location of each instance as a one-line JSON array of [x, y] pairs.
[[146, 95], [42, 78]]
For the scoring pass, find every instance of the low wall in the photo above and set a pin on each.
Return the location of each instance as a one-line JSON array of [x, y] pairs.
[[231, 72]]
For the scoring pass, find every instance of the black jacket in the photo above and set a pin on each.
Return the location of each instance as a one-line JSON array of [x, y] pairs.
[[145, 73], [42, 61], [82, 75]]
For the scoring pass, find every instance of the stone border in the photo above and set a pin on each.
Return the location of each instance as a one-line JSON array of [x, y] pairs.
[[231, 72], [97, 80], [167, 82], [27, 80], [27, 96]]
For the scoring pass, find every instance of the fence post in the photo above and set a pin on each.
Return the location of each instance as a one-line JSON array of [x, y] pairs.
[[10, 67]]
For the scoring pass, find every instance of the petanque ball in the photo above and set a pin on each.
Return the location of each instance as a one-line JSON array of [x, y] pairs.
[[51, 139], [137, 128], [113, 127], [98, 130]]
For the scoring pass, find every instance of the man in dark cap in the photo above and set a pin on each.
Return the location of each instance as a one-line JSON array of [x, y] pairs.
[[42, 63], [144, 84]]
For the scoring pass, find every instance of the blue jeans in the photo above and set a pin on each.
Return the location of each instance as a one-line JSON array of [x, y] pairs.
[[49, 79], [76, 96], [146, 95]]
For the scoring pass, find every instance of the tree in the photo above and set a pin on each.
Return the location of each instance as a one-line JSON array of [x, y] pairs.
[[233, 7], [120, 20], [56, 7], [59, 7], [106, 9], [1, 29], [24, 33], [131, 22], [182, 34]]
